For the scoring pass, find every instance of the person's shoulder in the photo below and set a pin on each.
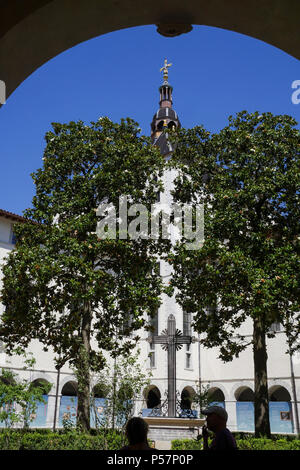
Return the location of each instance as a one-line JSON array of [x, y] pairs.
[[227, 431], [230, 437], [224, 440]]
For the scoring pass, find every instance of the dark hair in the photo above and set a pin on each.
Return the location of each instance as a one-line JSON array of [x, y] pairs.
[[136, 430]]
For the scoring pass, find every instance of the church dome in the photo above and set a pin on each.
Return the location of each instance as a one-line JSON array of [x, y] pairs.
[[165, 116], [165, 113]]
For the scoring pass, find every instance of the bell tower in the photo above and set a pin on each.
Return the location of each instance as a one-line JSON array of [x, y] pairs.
[[165, 118]]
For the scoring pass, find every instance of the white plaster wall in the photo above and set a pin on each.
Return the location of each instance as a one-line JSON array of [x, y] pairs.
[[5, 230]]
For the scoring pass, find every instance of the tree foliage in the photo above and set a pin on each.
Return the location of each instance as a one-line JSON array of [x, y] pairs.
[[63, 285], [19, 398], [248, 178], [121, 384]]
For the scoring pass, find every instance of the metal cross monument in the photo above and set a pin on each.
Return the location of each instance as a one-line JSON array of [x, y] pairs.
[[171, 340]]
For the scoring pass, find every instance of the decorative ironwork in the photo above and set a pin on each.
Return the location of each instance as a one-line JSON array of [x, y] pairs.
[[173, 339], [165, 71], [183, 412], [161, 411]]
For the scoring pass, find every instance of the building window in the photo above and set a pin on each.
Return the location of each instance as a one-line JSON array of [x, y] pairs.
[[188, 357], [13, 238], [126, 325], [211, 310], [188, 361], [154, 325], [156, 269], [158, 192], [153, 332], [152, 355], [186, 324], [275, 327]]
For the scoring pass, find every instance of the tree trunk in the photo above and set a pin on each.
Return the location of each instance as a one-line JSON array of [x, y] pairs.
[[83, 370], [261, 399]]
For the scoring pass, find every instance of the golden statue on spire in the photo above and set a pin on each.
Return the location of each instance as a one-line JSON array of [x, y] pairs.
[[165, 70]]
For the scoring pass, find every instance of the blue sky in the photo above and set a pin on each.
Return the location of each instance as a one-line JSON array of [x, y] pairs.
[[215, 73]]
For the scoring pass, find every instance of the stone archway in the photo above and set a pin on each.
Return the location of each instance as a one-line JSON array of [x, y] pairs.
[[68, 403], [41, 383], [216, 395], [279, 393], [244, 396], [280, 410], [187, 396], [69, 389], [37, 30], [38, 416], [244, 393], [153, 397]]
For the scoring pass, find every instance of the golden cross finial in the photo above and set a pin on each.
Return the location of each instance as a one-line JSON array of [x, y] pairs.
[[165, 69]]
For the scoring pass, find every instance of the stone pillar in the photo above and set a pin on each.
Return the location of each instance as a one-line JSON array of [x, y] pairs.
[[230, 407], [51, 411]]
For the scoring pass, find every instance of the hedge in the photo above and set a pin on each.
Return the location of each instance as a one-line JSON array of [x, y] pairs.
[[249, 443], [16, 440], [113, 440]]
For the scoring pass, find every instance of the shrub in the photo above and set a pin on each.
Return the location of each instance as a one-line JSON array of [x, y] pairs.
[[246, 443], [16, 439], [186, 444]]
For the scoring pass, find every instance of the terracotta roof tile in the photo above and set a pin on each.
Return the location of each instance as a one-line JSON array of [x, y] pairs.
[[10, 215]]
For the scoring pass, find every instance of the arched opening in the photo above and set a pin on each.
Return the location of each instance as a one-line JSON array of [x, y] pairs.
[[244, 394], [280, 410], [7, 380], [187, 396], [68, 404], [278, 393], [244, 409], [216, 397], [160, 125], [42, 384], [69, 389], [8, 405], [38, 417], [171, 125], [152, 400], [28, 31], [125, 392], [100, 391]]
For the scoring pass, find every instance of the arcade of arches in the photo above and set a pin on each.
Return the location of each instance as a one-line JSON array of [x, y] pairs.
[[281, 415], [35, 31]]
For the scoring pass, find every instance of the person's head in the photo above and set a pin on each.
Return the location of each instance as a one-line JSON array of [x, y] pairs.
[[136, 430], [216, 417]]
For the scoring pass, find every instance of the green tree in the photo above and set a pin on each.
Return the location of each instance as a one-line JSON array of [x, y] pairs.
[[8, 413], [201, 397], [19, 398], [65, 286], [121, 384], [248, 178]]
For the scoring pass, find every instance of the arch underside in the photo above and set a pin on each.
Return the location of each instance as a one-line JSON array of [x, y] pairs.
[[35, 31]]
